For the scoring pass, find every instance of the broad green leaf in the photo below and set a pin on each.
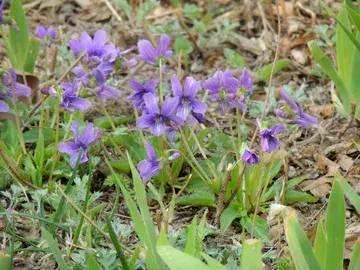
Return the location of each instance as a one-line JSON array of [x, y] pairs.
[[354, 14], [350, 193], [212, 263], [32, 54], [299, 245], [55, 250], [320, 243], [293, 196], [228, 216], [234, 58], [91, 263], [191, 245], [327, 67], [335, 228], [348, 54], [264, 73], [19, 34], [5, 261], [257, 227], [355, 257], [251, 255], [177, 260], [197, 198]]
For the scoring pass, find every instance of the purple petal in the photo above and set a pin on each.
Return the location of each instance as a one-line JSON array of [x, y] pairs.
[[4, 107], [245, 80], [100, 37], [89, 135], [40, 31], [81, 104], [250, 157], [21, 90], [306, 120], [169, 106], [69, 147], [145, 121], [191, 87], [147, 51], [148, 169], [150, 152], [277, 129], [291, 102], [176, 86], [199, 107], [151, 103], [106, 92]]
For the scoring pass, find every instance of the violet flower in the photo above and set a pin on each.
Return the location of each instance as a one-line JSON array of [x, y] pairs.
[[140, 90], [102, 71], [96, 49], [303, 119], [223, 88], [70, 99], [78, 147], [250, 157], [162, 120], [245, 81], [150, 54], [48, 34], [2, 10], [14, 88], [81, 75], [4, 108], [268, 140], [49, 91], [189, 107], [106, 92], [150, 166]]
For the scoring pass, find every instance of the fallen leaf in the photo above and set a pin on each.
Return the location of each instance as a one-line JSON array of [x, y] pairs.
[[345, 162], [299, 56]]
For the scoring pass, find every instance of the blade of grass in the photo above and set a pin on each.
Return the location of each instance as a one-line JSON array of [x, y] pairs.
[[251, 255], [335, 228], [54, 248]]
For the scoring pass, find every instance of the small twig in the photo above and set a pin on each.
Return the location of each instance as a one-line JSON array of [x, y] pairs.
[[113, 11]]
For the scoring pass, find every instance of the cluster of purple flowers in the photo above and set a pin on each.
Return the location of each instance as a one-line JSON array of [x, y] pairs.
[[2, 10], [98, 60]]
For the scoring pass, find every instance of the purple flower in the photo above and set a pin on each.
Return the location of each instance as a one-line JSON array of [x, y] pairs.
[[245, 81], [140, 90], [250, 157], [189, 105], [268, 140], [45, 33], [102, 71], [78, 147], [70, 99], [303, 119], [223, 88], [4, 107], [149, 54], [150, 166], [106, 92], [81, 75], [14, 88], [159, 120], [49, 91], [2, 10], [174, 155], [96, 48]]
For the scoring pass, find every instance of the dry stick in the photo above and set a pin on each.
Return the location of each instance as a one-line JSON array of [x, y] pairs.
[[266, 105], [113, 11]]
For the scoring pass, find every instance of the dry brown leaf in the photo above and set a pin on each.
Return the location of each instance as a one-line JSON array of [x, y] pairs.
[[319, 187], [299, 56], [345, 162], [326, 165]]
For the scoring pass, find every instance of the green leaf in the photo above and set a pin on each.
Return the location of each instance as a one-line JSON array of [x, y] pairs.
[[54, 248], [182, 45], [350, 193], [228, 216], [5, 261], [320, 243], [234, 58], [32, 54], [327, 67], [200, 197], [257, 227], [264, 73], [293, 196], [355, 257], [354, 14], [19, 34], [192, 240], [251, 255], [299, 245], [91, 262], [335, 229], [177, 260], [212, 263]]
